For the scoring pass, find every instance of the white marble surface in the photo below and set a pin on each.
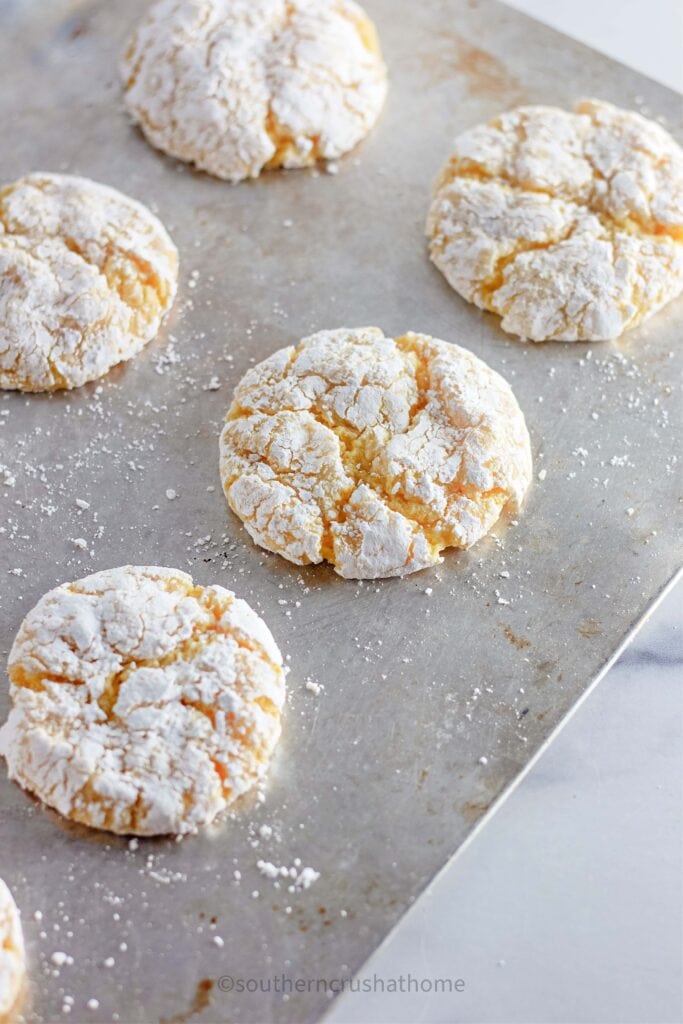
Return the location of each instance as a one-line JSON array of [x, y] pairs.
[[645, 34], [567, 908], [567, 905]]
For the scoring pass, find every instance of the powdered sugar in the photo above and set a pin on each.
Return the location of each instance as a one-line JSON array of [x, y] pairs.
[[294, 878]]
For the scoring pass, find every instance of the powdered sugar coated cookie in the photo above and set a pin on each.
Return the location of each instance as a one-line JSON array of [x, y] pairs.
[[142, 703], [236, 86], [567, 225], [371, 452], [12, 959], [86, 275]]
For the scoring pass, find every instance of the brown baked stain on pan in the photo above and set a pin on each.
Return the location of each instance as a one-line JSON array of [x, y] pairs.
[[520, 642], [589, 628], [473, 810], [484, 75], [202, 1000]]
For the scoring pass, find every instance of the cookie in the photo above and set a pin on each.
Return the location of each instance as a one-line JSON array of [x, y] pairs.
[[86, 276], [142, 702], [238, 86], [12, 959], [372, 453], [569, 226]]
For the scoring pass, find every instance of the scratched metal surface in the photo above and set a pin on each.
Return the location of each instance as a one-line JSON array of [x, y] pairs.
[[377, 781]]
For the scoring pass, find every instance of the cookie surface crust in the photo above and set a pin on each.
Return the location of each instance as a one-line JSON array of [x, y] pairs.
[[12, 958], [239, 86], [142, 703], [372, 453], [568, 225], [86, 275]]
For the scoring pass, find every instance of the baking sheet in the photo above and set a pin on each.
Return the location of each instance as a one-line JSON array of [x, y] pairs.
[[437, 690]]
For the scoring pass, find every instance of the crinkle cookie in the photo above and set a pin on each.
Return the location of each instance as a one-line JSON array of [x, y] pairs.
[[86, 275], [239, 86], [373, 453], [12, 960], [569, 226], [142, 702]]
